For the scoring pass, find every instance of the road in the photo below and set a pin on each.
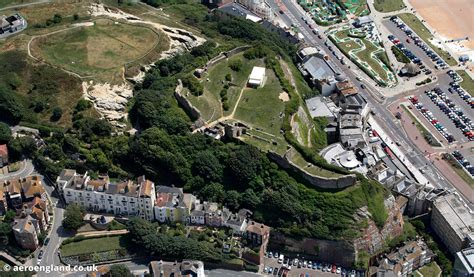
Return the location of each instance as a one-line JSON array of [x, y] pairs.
[[25, 170], [384, 117], [56, 235]]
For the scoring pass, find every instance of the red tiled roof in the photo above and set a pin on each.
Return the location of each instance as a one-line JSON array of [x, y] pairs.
[[3, 150]]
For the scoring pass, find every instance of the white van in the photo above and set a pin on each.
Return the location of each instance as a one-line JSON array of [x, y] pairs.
[[281, 258]]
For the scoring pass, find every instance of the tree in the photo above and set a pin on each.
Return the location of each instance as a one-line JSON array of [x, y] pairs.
[[75, 17], [119, 270], [208, 166], [21, 147], [82, 105], [228, 77], [232, 199], [5, 133], [57, 113], [9, 216], [5, 231], [57, 18], [11, 108], [236, 65], [73, 217]]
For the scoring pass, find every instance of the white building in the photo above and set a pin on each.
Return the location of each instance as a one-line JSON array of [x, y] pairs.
[[172, 205], [125, 198], [259, 7], [257, 77]]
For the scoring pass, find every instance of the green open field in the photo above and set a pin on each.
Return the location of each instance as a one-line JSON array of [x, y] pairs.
[[93, 245], [97, 51], [388, 5], [261, 107], [430, 270], [467, 82], [210, 103], [416, 25]]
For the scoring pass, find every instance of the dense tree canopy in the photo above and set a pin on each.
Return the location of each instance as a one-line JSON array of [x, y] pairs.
[[73, 217], [5, 133]]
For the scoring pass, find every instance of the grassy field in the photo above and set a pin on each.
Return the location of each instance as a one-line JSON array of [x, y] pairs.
[[467, 83], [261, 107], [424, 132], [210, 103], [388, 5], [431, 269], [99, 51], [416, 25], [93, 245]]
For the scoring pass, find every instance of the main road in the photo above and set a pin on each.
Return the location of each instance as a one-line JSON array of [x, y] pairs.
[[294, 15]]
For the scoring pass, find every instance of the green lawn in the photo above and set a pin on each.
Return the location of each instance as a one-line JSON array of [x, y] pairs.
[[209, 104], [388, 5], [467, 83], [416, 25], [94, 245], [261, 107], [430, 270]]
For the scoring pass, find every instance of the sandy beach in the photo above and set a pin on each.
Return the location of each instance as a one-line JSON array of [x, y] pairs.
[[452, 19]]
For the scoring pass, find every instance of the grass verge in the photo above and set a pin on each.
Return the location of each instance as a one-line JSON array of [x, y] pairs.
[[430, 139], [460, 171], [468, 83], [420, 29]]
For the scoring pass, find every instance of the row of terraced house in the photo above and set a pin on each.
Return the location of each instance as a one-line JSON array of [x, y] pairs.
[[161, 203]]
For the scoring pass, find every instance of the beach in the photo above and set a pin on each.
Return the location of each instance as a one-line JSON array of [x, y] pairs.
[[452, 19]]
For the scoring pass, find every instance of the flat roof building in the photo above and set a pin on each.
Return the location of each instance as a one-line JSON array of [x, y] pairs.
[[452, 221], [363, 20], [257, 77], [321, 107], [464, 263]]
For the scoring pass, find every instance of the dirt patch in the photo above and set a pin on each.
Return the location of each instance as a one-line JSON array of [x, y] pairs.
[[284, 96]]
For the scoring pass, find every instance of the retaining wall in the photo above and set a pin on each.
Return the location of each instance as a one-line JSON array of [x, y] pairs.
[[317, 181]]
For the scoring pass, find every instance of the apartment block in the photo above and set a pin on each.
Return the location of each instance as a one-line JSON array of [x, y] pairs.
[[452, 221]]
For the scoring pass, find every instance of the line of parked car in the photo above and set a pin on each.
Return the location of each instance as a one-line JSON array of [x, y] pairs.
[[432, 119], [439, 63], [455, 87], [287, 264], [463, 162], [456, 114]]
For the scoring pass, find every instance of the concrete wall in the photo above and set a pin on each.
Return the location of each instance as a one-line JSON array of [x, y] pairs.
[[328, 251], [317, 181]]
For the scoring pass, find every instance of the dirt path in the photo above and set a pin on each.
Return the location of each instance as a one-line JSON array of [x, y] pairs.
[[57, 67]]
